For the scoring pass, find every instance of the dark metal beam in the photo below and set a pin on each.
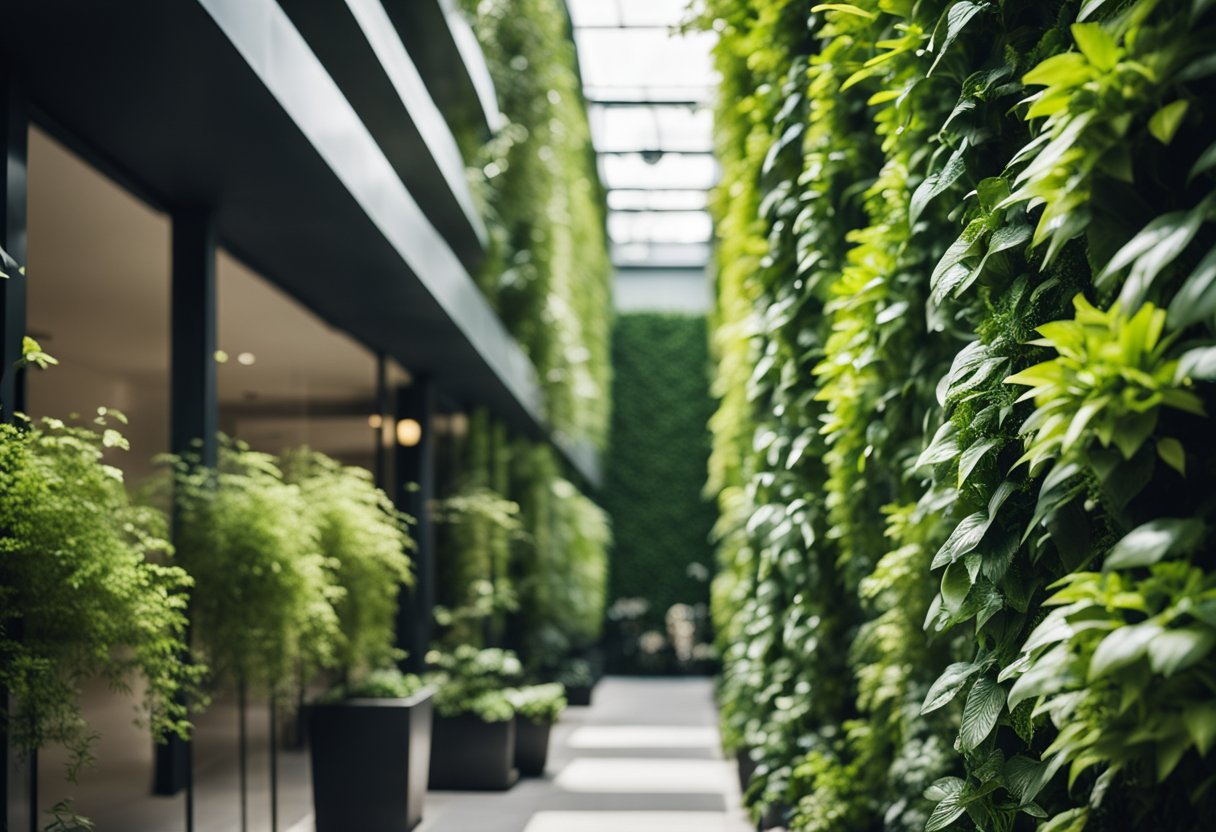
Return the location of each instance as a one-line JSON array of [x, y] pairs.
[[645, 151]]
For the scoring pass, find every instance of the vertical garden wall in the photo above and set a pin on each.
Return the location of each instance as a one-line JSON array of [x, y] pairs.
[[963, 458], [548, 276], [654, 474]]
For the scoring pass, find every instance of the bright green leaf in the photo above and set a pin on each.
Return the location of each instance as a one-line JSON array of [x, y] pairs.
[[1098, 47], [1171, 452], [1166, 121]]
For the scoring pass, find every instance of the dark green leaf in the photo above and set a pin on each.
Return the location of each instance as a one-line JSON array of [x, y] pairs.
[[936, 183], [948, 685], [957, 17], [965, 537], [972, 456], [1200, 721], [981, 712]]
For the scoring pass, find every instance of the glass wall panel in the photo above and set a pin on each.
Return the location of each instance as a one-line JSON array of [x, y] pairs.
[[99, 302]]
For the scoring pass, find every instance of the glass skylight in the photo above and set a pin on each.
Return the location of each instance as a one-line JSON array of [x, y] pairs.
[[639, 127], [656, 200], [669, 171], [660, 227], [650, 93]]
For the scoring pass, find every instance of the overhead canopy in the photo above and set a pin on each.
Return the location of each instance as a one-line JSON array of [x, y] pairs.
[[224, 104]]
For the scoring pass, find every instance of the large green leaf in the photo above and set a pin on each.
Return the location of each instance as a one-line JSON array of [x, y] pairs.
[[1149, 543], [965, 537], [957, 18], [948, 685], [983, 708], [1175, 650], [1121, 648]]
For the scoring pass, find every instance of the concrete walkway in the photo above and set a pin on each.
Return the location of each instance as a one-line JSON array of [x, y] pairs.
[[645, 757]]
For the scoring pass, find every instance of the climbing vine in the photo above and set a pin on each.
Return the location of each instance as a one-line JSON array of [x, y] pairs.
[[966, 309]]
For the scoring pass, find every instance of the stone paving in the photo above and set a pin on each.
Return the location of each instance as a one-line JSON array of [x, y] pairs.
[[645, 757]]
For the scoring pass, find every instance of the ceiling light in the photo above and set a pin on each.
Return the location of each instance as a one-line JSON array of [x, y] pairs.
[[409, 433], [246, 358]]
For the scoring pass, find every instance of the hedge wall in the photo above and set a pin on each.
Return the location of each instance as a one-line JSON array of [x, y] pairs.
[[966, 309], [655, 470]]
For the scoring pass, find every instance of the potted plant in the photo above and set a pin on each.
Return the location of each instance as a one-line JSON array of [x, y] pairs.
[[577, 681], [370, 737], [370, 744], [265, 596], [473, 740], [85, 587], [537, 707]]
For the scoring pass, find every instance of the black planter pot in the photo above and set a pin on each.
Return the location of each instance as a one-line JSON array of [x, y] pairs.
[[747, 767], [470, 754], [579, 694], [531, 746], [370, 763]]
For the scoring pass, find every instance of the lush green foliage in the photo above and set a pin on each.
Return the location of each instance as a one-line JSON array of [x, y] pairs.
[[655, 470], [561, 566], [548, 273], [84, 586], [388, 683], [548, 276], [539, 703], [265, 593], [365, 541], [966, 307], [531, 571], [473, 681]]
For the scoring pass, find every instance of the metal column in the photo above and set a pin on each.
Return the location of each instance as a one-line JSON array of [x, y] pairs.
[[193, 411], [413, 491], [14, 132]]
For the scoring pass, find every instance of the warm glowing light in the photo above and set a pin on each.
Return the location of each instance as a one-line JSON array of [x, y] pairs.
[[246, 358], [409, 433], [375, 421], [221, 357]]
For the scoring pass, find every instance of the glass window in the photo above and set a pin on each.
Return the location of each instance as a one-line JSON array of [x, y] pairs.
[[286, 378], [98, 301]]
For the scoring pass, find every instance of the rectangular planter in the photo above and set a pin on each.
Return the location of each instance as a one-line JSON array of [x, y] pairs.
[[531, 746], [469, 754], [579, 694], [370, 763]]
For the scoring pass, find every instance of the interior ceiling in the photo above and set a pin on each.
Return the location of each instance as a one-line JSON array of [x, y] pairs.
[[651, 124]]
